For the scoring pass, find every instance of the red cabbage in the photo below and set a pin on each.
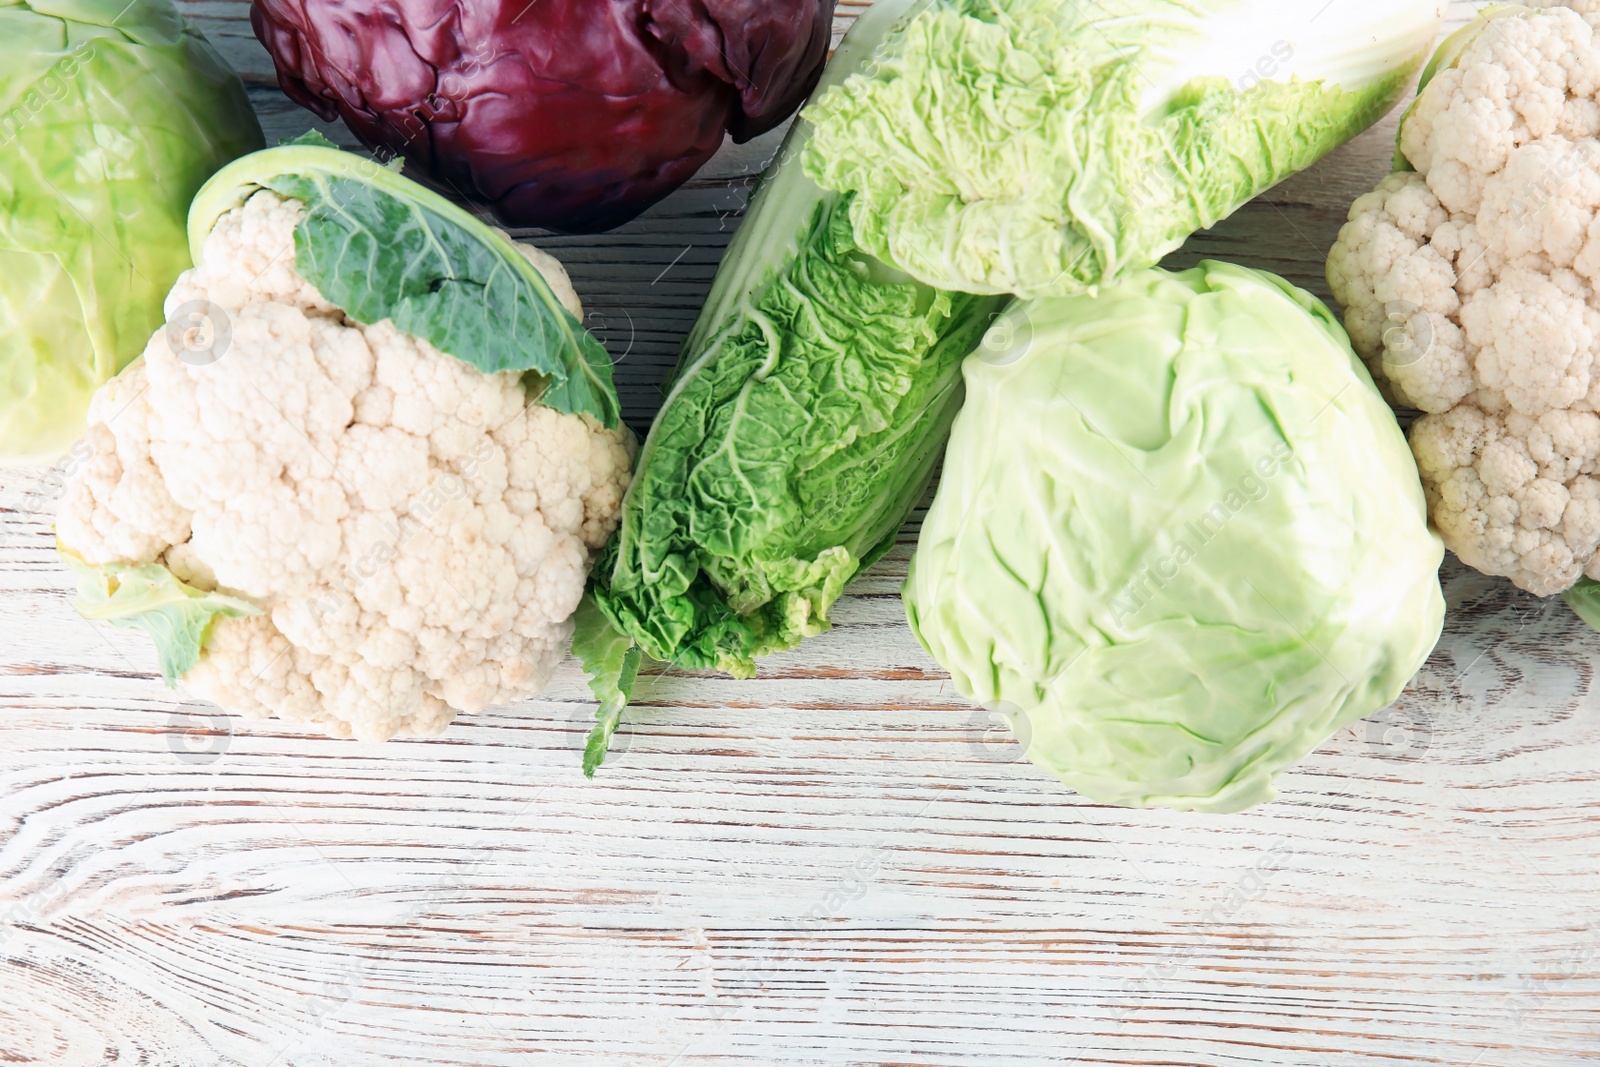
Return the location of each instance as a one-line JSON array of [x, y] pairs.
[[574, 115]]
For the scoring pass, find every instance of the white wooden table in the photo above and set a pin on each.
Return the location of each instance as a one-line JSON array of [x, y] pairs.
[[837, 863]]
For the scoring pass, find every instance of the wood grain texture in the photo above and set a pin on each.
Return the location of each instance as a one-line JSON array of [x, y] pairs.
[[839, 862]]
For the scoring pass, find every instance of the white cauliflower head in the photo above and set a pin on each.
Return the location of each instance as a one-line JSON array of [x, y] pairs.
[[1471, 287], [416, 532]]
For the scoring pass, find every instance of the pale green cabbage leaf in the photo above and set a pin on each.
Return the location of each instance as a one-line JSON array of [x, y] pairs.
[[112, 115], [1181, 533], [1043, 148]]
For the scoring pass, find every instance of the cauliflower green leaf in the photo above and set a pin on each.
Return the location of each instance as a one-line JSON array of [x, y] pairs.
[[150, 598], [380, 246]]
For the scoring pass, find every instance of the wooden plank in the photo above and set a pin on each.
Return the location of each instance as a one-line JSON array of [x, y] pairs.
[[839, 862]]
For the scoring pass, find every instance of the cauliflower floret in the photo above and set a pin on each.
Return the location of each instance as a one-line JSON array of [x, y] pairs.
[[1400, 305], [1471, 288], [417, 534], [119, 506], [1535, 343]]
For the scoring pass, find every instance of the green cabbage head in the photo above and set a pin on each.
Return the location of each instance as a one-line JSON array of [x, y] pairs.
[[1179, 538], [112, 115]]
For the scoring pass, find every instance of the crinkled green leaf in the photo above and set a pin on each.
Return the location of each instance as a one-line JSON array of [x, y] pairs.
[[380, 246], [815, 394], [612, 660], [150, 598], [787, 457], [111, 117], [1040, 147]]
